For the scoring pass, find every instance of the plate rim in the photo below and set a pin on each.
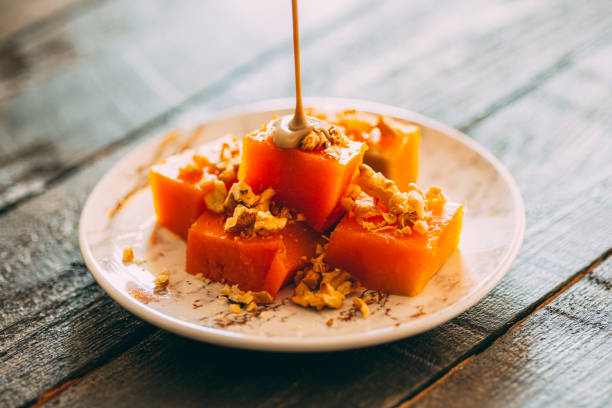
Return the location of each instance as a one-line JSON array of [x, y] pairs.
[[311, 344]]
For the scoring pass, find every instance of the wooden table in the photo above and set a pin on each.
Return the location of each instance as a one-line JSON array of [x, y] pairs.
[[83, 81]]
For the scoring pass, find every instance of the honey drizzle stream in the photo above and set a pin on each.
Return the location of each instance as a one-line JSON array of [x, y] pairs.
[[299, 118]]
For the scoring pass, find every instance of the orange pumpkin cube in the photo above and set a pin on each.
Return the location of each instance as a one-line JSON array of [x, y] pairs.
[[180, 183], [399, 265], [396, 155], [393, 145], [258, 263], [310, 182]]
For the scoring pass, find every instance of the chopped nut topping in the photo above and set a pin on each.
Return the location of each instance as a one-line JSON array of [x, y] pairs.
[[388, 208], [330, 296], [128, 255], [283, 212], [252, 222], [262, 297], [226, 290], [404, 231], [435, 198], [213, 163], [229, 156], [235, 308], [240, 193], [241, 220], [249, 299], [161, 282], [380, 187], [251, 214], [322, 138], [362, 306], [330, 322], [319, 286], [265, 199], [163, 278], [215, 199], [200, 276], [228, 175], [421, 227], [267, 224], [415, 200]]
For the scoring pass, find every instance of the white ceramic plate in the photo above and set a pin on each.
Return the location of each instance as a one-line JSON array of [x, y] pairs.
[[492, 234]]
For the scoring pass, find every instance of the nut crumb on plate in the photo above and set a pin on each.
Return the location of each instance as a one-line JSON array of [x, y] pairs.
[[128, 255], [319, 286], [161, 282], [235, 308], [362, 306], [251, 300]]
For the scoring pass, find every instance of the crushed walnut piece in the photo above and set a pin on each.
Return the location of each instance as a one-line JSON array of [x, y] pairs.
[[266, 223], [241, 220], [128, 255], [323, 137], [252, 222], [362, 306], [235, 308], [161, 282], [218, 168], [219, 161], [240, 193], [228, 159], [385, 207], [435, 199], [421, 227], [285, 212], [215, 199], [250, 300], [319, 286], [250, 212], [385, 190]]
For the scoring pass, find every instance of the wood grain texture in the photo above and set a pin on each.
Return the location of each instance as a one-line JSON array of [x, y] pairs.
[[18, 16], [98, 77], [549, 121], [127, 79], [561, 356], [56, 321], [564, 173]]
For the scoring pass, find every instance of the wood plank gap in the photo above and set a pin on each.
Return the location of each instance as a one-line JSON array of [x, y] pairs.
[[565, 62], [487, 342], [49, 395], [89, 369], [204, 94]]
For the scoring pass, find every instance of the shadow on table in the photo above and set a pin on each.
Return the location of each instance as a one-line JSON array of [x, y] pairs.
[[166, 369]]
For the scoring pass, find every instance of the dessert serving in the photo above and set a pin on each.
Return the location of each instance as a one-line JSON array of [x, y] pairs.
[[331, 196], [259, 216], [277, 227]]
